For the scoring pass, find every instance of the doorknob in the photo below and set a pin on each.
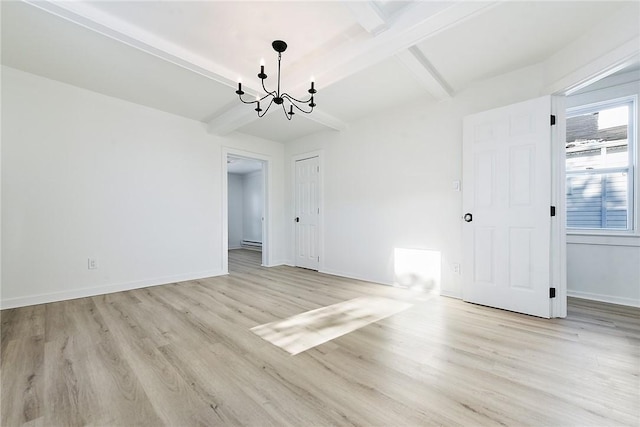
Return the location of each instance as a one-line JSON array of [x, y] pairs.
[[468, 217], [297, 219]]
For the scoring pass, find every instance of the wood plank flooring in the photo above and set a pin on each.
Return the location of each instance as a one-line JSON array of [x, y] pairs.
[[183, 355]]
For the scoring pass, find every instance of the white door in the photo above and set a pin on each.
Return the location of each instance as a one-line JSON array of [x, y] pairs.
[[506, 203], [307, 212]]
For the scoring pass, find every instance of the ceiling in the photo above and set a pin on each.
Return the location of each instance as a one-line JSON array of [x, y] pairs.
[[242, 166], [185, 57]]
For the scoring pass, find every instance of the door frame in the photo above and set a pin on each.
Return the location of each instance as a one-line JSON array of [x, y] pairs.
[[266, 209], [320, 155], [558, 253]]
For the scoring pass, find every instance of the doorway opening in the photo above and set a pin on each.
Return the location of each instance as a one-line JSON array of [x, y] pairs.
[[601, 187], [245, 210]]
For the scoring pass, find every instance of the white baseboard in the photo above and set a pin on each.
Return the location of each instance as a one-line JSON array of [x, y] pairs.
[[446, 293], [101, 290], [279, 262], [604, 298], [355, 276]]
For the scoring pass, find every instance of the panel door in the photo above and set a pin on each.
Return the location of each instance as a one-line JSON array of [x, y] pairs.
[[307, 213], [507, 192]]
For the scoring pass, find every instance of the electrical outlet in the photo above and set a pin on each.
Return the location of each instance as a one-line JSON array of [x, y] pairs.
[[456, 268], [92, 263]]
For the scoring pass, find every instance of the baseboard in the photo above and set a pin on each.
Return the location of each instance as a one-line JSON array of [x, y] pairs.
[[604, 298], [278, 263], [101, 290], [445, 293], [355, 277]]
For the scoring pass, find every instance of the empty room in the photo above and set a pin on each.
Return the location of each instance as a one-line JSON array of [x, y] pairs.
[[314, 213]]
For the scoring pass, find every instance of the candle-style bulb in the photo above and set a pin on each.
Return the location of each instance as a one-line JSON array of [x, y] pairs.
[[312, 90], [262, 75]]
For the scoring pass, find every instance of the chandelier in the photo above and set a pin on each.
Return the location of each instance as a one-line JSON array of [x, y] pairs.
[[277, 97]]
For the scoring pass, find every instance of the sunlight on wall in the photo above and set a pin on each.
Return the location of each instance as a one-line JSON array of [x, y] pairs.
[[417, 269]]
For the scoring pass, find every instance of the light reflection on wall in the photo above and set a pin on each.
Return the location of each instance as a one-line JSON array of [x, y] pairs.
[[418, 269]]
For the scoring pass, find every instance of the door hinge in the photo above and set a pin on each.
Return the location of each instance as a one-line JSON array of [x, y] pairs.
[[553, 211], [553, 119], [552, 292]]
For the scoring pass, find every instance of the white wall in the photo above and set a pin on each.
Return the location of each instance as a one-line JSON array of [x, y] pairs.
[[86, 175], [236, 211], [388, 181], [252, 206], [606, 267], [388, 178]]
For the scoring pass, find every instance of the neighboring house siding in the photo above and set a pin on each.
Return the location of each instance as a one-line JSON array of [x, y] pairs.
[[588, 206], [597, 181]]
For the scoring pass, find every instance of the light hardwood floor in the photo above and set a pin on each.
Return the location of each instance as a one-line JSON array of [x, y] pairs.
[[183, 355]]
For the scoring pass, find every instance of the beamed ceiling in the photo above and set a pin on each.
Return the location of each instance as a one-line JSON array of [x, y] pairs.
[[366, 56]]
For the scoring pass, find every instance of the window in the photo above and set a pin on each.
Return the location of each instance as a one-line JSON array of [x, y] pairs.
[[600, 165]]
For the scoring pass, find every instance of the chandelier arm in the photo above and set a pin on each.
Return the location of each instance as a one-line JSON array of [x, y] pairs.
[[296, 105], [246, 102], [272, 94], [266, 109], [268, 92], [291, 98], [289, 117]]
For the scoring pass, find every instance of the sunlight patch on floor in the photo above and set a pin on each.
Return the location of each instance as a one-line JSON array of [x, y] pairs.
[[307, 330]]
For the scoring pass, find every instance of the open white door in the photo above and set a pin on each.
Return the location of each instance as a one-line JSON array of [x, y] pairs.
[[506, 202], [307, 212]]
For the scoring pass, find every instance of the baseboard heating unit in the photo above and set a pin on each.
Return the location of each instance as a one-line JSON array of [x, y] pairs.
[[251, 244]]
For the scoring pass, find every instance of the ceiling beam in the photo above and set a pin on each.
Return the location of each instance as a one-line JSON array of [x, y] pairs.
[[368, 15], [425, 73], [116, 29], [419, 21], [231, 118]]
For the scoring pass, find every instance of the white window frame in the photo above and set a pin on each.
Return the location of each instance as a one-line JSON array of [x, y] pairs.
[[632, 196]]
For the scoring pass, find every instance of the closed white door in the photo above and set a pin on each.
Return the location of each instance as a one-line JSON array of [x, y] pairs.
[[307, 212], [506, 202]]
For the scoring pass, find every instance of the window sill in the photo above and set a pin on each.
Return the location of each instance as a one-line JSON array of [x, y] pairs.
[[603, 238]]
